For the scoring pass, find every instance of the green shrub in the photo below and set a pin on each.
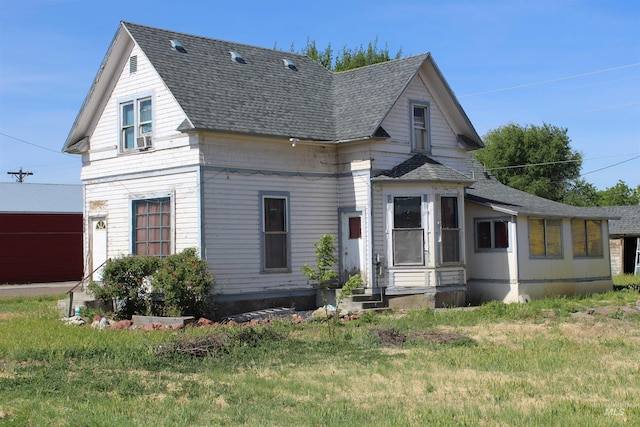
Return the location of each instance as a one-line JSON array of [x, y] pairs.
[[186, 283], [626, 281], [130, 283], [125, 283]]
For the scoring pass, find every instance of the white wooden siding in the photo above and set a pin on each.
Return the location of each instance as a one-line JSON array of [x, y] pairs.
[[233, 234], [444, 142], [104, 158], [566, 267], [113, 200]]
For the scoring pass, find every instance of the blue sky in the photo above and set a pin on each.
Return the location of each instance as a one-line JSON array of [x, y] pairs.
[[572, 64]]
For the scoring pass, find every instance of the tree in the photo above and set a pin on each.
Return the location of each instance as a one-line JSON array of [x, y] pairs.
[[347, 58], [535, 159], [619, 195], [581, 193]]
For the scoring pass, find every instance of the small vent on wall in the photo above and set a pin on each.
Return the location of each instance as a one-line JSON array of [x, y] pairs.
[[133, 64], [289, 64], [236, 57], [176, 45]]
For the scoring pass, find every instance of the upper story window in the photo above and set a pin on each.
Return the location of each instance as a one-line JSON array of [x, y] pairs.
[[587, 238], [136, 124], [545, 237], [420, 124]]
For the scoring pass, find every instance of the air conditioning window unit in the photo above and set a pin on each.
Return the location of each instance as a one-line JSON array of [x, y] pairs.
[[144, 142]]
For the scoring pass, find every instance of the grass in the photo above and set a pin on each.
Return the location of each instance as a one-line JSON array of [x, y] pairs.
[[543, 363]]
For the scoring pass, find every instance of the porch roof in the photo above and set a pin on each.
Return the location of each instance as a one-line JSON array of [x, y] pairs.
[[490, 192], [421, 168]]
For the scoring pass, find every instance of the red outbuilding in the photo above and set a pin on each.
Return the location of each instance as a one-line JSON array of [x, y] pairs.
[[40, 233]]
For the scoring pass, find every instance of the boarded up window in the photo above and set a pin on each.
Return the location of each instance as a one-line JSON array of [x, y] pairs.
[[545, 237], [152, 227], [587, 238]]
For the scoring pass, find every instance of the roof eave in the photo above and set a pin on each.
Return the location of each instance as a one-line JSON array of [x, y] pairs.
[[387, 180], [100, 84]]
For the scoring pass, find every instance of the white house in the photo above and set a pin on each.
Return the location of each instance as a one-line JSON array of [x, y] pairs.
[[251, 154]]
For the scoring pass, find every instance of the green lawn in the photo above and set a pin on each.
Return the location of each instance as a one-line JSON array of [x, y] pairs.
[[563, 361]]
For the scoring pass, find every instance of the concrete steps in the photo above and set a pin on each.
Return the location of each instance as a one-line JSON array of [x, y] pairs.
[[80, 299], [363, 299]]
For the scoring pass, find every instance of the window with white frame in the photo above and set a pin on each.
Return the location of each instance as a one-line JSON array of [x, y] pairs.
[[152, 227], [420, 135], [545, 237], [408, 232], [587, 238], [492, 234], [275, 232], [449, 225], [136, 123]]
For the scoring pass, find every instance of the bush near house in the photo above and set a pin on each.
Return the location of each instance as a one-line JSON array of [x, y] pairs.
[[133, 285], [626, 281]]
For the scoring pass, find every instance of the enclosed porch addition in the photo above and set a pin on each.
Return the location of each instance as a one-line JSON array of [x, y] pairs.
[[424, 245]]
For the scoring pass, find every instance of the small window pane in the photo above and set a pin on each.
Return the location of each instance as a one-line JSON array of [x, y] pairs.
[[127, 115], [275, 250], [484, 235], [449, 212], [407, 247], [274, 215], [554, 238], [594, 236], [536, 237], [145, 111], [355, 229], [450, 246], [501, 229], [579, 238], [128, 138], [419, 117], [407, 212]]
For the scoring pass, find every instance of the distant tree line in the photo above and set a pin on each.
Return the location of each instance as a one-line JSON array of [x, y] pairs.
[[540, 161], [347, 58]]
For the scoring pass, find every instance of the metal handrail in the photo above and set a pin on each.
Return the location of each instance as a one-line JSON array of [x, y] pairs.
[[70, 291]]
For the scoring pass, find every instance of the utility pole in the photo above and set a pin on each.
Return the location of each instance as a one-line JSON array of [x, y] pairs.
[[20, 175]]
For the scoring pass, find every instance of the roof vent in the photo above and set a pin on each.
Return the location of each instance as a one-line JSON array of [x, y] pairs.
[[290, 65], [236, 57], [133, 64], [176, 45]]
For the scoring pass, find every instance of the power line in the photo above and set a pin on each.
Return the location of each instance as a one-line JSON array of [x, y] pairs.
[[568, 161], [31, 143], [610, 166], [550, 81]]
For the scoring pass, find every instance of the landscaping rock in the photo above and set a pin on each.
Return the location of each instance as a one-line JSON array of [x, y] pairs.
[[142, 321], [121, 325]]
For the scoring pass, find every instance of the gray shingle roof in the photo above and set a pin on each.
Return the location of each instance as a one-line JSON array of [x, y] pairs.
[[264, 97], [488, 191], [628, 223], [421, 168]]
